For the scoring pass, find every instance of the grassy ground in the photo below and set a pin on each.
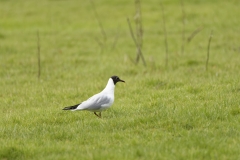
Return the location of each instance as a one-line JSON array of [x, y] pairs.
[[177, 112]]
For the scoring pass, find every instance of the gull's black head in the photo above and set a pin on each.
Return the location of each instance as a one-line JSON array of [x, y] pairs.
[[116, 79]]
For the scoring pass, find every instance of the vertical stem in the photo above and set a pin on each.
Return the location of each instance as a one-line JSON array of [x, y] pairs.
[[165, 35], [183, 29], [115, 39], [99, 22], [38, 55], [208, 51], [104, 35], [135, 41], [139, 32], [139, 28]]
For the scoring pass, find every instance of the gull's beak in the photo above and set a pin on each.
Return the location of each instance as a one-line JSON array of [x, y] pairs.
[[121, 80]]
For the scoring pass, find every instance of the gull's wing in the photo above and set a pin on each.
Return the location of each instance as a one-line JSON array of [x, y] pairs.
[[95, 102]]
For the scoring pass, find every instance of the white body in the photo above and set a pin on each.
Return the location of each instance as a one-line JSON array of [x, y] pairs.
[[101, 101]]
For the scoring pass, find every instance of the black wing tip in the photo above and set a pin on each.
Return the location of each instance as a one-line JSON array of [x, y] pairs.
[[71, 107]]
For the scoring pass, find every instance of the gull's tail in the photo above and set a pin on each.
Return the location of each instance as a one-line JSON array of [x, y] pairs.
[[71, 107]]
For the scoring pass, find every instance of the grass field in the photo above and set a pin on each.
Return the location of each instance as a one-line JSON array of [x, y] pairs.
[[179, 111]]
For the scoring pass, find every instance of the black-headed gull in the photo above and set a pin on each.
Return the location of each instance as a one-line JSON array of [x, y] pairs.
[[99, 102]]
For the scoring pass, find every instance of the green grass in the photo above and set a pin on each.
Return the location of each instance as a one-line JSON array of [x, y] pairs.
[[178, 112]]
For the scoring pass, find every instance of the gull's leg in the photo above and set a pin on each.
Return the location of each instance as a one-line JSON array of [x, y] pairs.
[[97, 114], [100, 115]]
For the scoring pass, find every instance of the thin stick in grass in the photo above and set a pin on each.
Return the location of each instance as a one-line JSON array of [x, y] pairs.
[[38, 55], [139, 28], [135, 41], [194, 33], [183, 27], [101, 44], [99, 22], [208, 51], [115, 39], [165, 35]]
